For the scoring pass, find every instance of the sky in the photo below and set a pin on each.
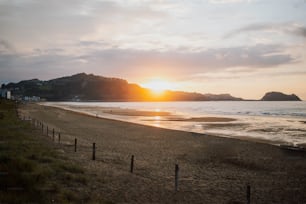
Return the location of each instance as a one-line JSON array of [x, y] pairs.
[[241, 47]]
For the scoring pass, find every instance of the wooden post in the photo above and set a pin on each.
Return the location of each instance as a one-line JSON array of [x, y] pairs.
[[248, 194], [93, 151], [132, 164], [75, 144], [176, 176], [53, 134], [59, 137], [47, 131]]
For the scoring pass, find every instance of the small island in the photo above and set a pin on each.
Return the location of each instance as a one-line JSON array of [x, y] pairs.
[[278, 96]]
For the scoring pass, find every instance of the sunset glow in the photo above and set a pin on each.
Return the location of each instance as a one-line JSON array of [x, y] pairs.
[[199, 44], [158, 86]]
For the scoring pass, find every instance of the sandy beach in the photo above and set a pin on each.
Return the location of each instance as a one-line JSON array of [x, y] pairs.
[[211, 169]]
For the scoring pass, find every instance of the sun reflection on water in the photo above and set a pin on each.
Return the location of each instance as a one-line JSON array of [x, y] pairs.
[[157, 118]]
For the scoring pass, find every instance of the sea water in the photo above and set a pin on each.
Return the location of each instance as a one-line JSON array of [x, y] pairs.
[[273, 122]]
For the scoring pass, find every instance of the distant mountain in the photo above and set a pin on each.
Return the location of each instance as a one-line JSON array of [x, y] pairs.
[[278, 96], [88, 87]]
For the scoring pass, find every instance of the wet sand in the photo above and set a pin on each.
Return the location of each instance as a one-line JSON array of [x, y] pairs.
[[131, 112], [212, 169], [170, 117], [164, 115], [202, 119]]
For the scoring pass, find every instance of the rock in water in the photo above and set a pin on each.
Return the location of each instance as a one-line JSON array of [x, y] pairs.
[[278, 96]]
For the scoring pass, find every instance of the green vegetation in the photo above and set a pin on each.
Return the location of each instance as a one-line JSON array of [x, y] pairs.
[[31, 170]]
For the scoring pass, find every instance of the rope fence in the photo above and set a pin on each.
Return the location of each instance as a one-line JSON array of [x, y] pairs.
[[57, 137]]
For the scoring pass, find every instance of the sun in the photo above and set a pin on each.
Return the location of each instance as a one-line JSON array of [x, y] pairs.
[[158, 86]]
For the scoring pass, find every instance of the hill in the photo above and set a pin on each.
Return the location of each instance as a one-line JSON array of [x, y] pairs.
[[89, 87], [278, 96]]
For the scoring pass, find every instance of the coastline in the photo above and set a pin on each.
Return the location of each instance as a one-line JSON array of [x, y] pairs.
[[276, 130], [208, 164]]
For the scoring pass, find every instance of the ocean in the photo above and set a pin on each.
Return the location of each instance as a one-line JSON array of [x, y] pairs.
[[271, 122]]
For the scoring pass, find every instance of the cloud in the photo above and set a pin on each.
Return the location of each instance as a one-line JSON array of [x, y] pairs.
[[257, 56], [127, 63], [242, 72], [301, 31], [287, 28], [33, 24], [228, 1], [6, 47], [124, 38]]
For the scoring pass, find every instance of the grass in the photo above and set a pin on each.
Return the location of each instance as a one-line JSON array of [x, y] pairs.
[[31, 170]]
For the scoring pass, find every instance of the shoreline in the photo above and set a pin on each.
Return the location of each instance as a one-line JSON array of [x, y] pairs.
[[212, 169], [245, 138], [208, 120]]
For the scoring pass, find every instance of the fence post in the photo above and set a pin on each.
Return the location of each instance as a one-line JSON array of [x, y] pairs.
[[93, 151], [59, 137], [53, 134], [75, 144], [132, 164], [248, 194], [176, 176]]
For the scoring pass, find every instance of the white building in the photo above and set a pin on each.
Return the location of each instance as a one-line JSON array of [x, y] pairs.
[[8, 95], [5, 94]]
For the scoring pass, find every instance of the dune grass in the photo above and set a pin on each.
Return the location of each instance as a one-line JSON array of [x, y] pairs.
[[31, 168]]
